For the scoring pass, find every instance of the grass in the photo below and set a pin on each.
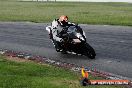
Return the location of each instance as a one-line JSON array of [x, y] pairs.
[[32, 75], [88, 13]]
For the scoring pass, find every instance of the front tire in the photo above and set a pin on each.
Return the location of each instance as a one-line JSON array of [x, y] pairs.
[[89, 51]]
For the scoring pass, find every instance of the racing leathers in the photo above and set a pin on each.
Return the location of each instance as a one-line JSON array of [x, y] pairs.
[[56, 28]]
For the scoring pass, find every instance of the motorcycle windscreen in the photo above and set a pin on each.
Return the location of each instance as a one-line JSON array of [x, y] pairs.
[[72, 30]]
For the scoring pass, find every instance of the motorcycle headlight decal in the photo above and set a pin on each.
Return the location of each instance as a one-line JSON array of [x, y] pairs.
[[80, 36], [84, 34]]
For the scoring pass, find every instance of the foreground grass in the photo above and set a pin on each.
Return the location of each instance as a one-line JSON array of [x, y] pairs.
[[32, 75], [88, 13]]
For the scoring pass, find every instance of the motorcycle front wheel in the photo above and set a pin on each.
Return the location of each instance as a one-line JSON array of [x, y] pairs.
[[89, 51]]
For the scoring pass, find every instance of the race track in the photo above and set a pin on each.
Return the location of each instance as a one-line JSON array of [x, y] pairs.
[[113, 45]]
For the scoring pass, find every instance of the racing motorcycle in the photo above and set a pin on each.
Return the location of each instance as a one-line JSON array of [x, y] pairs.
[[74, 40]]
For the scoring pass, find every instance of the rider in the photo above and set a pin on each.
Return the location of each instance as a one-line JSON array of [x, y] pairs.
[[57, 26]]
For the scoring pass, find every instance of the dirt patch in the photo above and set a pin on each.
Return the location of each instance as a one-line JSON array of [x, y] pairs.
[[16, 59]]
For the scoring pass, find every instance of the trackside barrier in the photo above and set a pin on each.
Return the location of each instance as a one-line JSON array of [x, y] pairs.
[[73, 67]]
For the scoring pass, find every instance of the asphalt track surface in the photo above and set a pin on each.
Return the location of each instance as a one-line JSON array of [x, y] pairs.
[[113, 45]]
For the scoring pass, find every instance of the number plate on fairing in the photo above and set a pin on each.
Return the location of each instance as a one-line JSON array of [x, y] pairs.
[[76, 41]]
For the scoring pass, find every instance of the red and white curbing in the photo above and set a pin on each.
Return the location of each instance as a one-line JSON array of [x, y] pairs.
[[66, 65]]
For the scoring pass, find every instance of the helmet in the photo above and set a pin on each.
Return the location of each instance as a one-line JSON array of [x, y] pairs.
[[63, 18]]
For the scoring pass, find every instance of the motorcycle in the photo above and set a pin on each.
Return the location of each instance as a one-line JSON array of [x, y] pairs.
[[74, 40]]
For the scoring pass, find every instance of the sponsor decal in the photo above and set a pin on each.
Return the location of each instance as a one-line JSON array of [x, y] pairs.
[[109, 82]]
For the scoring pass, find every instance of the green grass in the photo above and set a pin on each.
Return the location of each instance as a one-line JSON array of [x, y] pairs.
[[32, 75], [88, 13]]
